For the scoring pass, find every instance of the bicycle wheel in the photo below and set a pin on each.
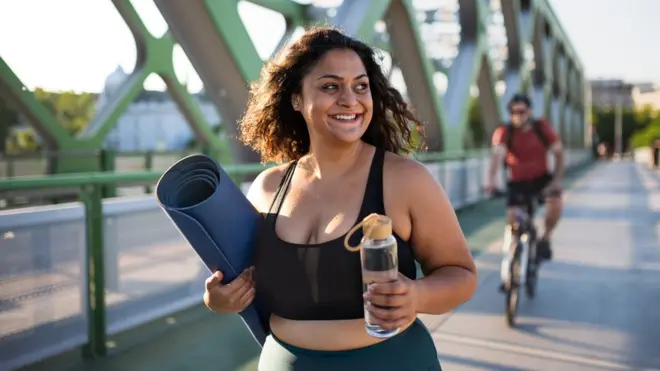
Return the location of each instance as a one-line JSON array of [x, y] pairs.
[[532, 278], [512, 294], [532, 269]]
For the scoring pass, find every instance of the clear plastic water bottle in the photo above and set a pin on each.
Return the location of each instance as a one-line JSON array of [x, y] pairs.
[[378, 254]]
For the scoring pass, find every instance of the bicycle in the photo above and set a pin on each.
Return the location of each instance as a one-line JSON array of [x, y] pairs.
[[523, 265]]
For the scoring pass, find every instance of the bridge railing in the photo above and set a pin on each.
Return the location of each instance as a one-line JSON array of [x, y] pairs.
[[36, 163], [73, 274]]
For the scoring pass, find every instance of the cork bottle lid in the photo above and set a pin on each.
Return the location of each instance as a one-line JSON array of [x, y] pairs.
[[375, 226], [378, 228]]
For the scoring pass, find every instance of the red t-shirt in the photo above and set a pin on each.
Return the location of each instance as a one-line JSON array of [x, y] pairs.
[[529, 158]]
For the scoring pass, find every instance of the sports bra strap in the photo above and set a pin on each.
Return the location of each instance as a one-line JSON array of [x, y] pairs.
[[282, 190], [373, 196]]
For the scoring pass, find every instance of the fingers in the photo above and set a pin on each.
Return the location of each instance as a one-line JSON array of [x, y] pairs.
[[250, 275], [389, 303], [386, 300], [398, 287], [214, 280], [388, 318], [232, 297], [239, 284], [246, 298]]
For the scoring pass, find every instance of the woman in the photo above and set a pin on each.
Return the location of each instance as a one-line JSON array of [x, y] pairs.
[[325, 109]]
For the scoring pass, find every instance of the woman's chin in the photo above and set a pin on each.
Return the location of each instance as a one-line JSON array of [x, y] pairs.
[[347, 133], [348, 138]]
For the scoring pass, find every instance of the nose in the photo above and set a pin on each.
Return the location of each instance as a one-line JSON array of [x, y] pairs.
[[347, 98]]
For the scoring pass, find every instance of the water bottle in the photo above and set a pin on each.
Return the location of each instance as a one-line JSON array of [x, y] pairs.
[[379, 261]]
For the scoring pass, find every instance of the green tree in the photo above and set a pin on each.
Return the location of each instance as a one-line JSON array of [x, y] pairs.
[[74, 111], [639, 126], [24, 140], [604, 120], [645, 116], [476, 136], [8, 118], [644, 137]]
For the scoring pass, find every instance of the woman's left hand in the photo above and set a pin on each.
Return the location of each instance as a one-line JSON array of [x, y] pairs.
[[392, 304]]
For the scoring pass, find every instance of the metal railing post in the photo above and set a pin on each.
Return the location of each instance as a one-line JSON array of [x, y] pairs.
[[149, 165], [91, 197]]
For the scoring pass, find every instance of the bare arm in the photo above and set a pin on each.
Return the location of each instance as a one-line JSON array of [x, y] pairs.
[[497, 155], [439, 245], [557, 150], [496, 158]]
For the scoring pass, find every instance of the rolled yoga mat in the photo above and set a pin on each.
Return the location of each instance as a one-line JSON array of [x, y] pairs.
[[217, 220]]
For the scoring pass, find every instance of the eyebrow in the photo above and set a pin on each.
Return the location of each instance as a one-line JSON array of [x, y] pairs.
[[330, 76]]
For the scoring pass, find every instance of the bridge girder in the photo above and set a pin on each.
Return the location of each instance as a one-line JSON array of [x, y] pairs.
[[219, 47]]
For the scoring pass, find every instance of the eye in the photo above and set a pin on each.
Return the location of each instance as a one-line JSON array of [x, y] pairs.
[[330, 86], [362, 86]]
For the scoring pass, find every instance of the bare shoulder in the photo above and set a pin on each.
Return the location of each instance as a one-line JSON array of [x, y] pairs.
[[263, 187], [407, 184], [407, 175]]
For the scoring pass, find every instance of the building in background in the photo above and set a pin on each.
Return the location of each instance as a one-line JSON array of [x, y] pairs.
[[153, 121], [647, 94], [605, 94]]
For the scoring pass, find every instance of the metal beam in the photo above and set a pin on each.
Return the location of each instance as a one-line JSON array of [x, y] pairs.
[[417, 70], [488, 99], [154, 55], [218, 46], [520, 26], [471, 66], [12, 89], [289, 9], [358, 17], [216, 42]]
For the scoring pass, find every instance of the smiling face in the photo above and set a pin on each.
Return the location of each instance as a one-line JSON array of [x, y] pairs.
[[520, 113], [335, 98]]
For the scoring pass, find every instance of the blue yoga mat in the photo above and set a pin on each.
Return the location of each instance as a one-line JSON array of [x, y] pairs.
[[217, 220]]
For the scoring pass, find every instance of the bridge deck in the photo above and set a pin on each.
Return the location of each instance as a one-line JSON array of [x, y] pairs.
[[596, 306], [597, 303]]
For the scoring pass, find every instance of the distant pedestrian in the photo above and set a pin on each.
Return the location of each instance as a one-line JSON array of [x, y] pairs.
[[655, 152]]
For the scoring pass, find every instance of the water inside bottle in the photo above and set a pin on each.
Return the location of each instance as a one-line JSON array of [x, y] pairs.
[[379, 264]]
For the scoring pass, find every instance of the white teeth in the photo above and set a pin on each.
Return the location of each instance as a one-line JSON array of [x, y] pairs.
[[344, 117]]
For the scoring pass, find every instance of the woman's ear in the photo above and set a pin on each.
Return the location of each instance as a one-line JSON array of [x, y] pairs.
[[295, 102]]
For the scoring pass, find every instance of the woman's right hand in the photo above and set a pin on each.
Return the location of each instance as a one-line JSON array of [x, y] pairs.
[[233, 297]]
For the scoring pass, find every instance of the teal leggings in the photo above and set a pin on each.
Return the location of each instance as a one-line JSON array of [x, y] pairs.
[[411, 350]]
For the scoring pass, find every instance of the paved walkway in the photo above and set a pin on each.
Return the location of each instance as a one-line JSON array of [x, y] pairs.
[[596, 306], [598, 302]]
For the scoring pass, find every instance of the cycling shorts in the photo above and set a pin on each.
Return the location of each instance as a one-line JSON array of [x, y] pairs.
[[518, 191]]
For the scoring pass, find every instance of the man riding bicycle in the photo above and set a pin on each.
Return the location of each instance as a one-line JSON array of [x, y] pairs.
[[523, 148]]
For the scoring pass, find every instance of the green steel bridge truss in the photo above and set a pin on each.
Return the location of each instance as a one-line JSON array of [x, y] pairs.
[[217, 43]]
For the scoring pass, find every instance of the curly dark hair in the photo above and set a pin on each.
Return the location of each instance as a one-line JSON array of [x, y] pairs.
[[272, 127]]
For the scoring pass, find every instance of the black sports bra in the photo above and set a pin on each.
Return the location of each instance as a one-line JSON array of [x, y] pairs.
[[318, 281]]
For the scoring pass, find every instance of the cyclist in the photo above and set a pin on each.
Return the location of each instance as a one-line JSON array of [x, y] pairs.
[[522, 146]]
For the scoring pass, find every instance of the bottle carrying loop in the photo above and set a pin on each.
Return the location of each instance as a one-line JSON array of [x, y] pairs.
[[368, 224]]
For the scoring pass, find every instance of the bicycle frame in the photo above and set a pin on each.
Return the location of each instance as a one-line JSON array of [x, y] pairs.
[[523, 232]]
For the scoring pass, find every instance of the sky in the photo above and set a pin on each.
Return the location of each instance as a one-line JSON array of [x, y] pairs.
[[75, 44]]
